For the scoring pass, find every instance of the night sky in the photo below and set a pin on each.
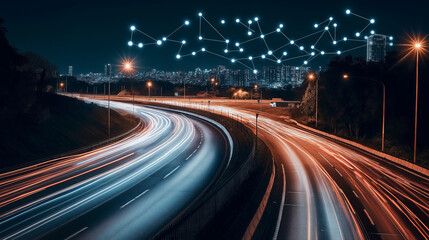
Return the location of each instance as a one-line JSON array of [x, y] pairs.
[[88, 35]]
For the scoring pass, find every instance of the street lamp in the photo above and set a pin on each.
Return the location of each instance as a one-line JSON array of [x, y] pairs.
[[346, 76], [313, 76], [149, 84]]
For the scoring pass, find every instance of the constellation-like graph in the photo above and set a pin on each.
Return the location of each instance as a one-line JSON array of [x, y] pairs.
[[309, 47]]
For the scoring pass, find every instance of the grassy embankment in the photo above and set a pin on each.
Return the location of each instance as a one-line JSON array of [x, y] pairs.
[[68, 124]]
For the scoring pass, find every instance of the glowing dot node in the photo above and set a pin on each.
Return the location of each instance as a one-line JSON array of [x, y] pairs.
[[390, 38], [357, 34], [241, 49], [255, 71], [279, 61], [140, 45], [312, 47], [331, 18], [200, 14], [130, 43], [338, 52], [256, 19], [305, 62], [335, 25], [322, 52], [133, 28], [262, 35], [249, 33], [203, 49], [372, 32], [326, 28], [183, 42], [284, 53], [222, 21], [227, 40], [233, 60], [316, 25], [186, 22], [249, 22], [159, 42], [237, 44], [200, 38], [178, 56], [270, 52], [237, 20], [193, 53], [226, 50], [301, 48], [334, 42], [164, 39], [313, 53], [263, 56], [292, 42], [281, 25], [372, 21], [345, 38], [390, 44], [278, 29], [348, 11], [250, 58]]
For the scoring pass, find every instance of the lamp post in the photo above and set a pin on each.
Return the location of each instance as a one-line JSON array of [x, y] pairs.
[[149, 84], [417, 48], [346, 76], [313, 76]]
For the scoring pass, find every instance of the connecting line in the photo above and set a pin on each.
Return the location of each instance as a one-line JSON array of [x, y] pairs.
[[359, 16], [309, 35], [213, 40], [213, 27], [319, 38], [131, 35], [292, 58], [248, 27], [287, 44], [285, 36], [200, 27], [180, 49], [330, 35], [356, 40], [218, 55], [300, 49], [249, 40], [175, 41], [176, 30], [260, 30], [244, 65], [335, 34], [351, 49], [147, 35], [365, 27]]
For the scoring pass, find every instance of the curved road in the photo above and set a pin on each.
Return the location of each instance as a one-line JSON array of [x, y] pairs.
[[328, 190], [125, 190]]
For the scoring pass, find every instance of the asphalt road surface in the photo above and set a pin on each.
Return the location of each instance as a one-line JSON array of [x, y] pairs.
[[125, 190]]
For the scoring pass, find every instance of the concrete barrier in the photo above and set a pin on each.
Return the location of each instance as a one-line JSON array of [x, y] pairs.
[[391, 158]]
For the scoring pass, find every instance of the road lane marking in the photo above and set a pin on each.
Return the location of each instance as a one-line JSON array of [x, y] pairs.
[[338, 172], [132, 200], [166, 176], [326, 159], [76, 233], [279, 219], [367, 214]]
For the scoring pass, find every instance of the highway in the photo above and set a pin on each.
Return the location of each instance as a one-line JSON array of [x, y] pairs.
[[128, 189], [328, 190]]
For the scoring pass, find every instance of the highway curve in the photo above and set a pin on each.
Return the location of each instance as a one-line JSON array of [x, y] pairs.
[[126, 190]]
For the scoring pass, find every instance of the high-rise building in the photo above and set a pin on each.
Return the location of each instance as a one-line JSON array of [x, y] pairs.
[[70, 70], [376, 48], [108, 70]]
